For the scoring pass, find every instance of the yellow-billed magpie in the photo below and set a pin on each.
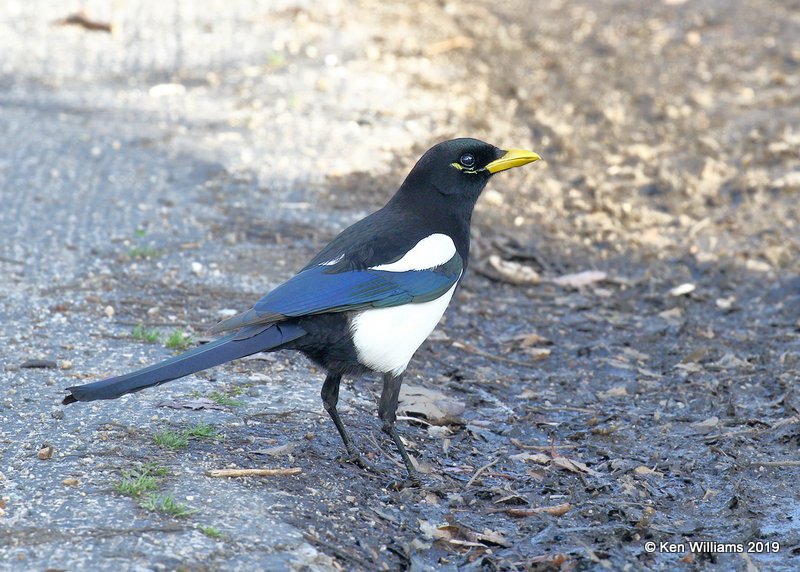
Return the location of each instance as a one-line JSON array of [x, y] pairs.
[[369, 299]]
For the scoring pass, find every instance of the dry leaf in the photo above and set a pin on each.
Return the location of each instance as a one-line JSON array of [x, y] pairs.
[[730, 361], [436, 407], [538, 353], [540, 458], [672, 314], [430, 530], [461, 535], [616, 391], [532, 339], [574, 466], [70, 482], [513, 272], [647, 516], [725, 303], [697, 355], [492, 537], [708, 424], [511, 499], [689, 367], [438, 431], [648, 373], [642, 471], [580, 279], [275, 451]]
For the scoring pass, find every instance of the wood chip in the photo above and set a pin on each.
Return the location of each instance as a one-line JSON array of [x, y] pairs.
[[556, 510], [580, 279]]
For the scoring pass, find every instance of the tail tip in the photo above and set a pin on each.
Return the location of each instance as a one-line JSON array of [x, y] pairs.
[[68, 399]]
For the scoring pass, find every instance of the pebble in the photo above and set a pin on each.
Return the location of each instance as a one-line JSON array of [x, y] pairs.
[[46, 452], [682, 289]]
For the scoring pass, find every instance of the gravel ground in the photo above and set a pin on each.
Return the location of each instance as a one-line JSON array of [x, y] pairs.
[[176, 168]]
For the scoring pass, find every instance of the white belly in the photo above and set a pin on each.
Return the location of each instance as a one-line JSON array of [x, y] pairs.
[[386, 338]]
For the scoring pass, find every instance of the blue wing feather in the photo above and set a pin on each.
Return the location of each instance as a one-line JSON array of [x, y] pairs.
[[318, 290]]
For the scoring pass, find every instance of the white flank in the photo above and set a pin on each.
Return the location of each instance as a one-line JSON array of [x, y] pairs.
[[430, 252], [386, 338]]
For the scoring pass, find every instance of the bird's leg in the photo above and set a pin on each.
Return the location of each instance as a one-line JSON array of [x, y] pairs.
[[387, 411], [330, 397]]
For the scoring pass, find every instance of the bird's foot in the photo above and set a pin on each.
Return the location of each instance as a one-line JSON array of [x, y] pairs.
[[355, 458], [412, 481]]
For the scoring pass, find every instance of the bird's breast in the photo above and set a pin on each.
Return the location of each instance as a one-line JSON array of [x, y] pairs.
[[386, 338]]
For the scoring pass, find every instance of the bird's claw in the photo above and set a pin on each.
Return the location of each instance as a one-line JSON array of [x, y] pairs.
[[355, 458], [412, 481]]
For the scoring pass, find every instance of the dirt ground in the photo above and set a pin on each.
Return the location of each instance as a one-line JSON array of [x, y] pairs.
[[626, 346]]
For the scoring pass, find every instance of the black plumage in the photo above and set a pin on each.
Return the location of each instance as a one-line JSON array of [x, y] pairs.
[[369, 298]]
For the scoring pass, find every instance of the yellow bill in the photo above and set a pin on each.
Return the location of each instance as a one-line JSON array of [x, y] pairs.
[[512, 158]]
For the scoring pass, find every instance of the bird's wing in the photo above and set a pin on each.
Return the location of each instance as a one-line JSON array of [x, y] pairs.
[[321, 289]]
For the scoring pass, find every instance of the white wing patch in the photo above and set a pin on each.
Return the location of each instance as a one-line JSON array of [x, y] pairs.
[[332, 261], [386, 338], [430, 252]]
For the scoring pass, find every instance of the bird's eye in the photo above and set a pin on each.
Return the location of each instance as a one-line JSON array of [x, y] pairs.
[[467, 160]]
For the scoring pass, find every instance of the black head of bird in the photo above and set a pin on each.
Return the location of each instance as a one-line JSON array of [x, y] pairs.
[[451, 175], [366, 301]]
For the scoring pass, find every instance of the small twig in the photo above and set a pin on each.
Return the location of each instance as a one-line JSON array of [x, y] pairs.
[[517, 443], [557, 510], [414, 419], [479, 471], [384, 453], [254, 472], [84, 22], [564, 408], [786, 463], [716, 436]]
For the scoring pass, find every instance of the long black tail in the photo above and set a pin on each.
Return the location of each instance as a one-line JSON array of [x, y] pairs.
[[243, 343]]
